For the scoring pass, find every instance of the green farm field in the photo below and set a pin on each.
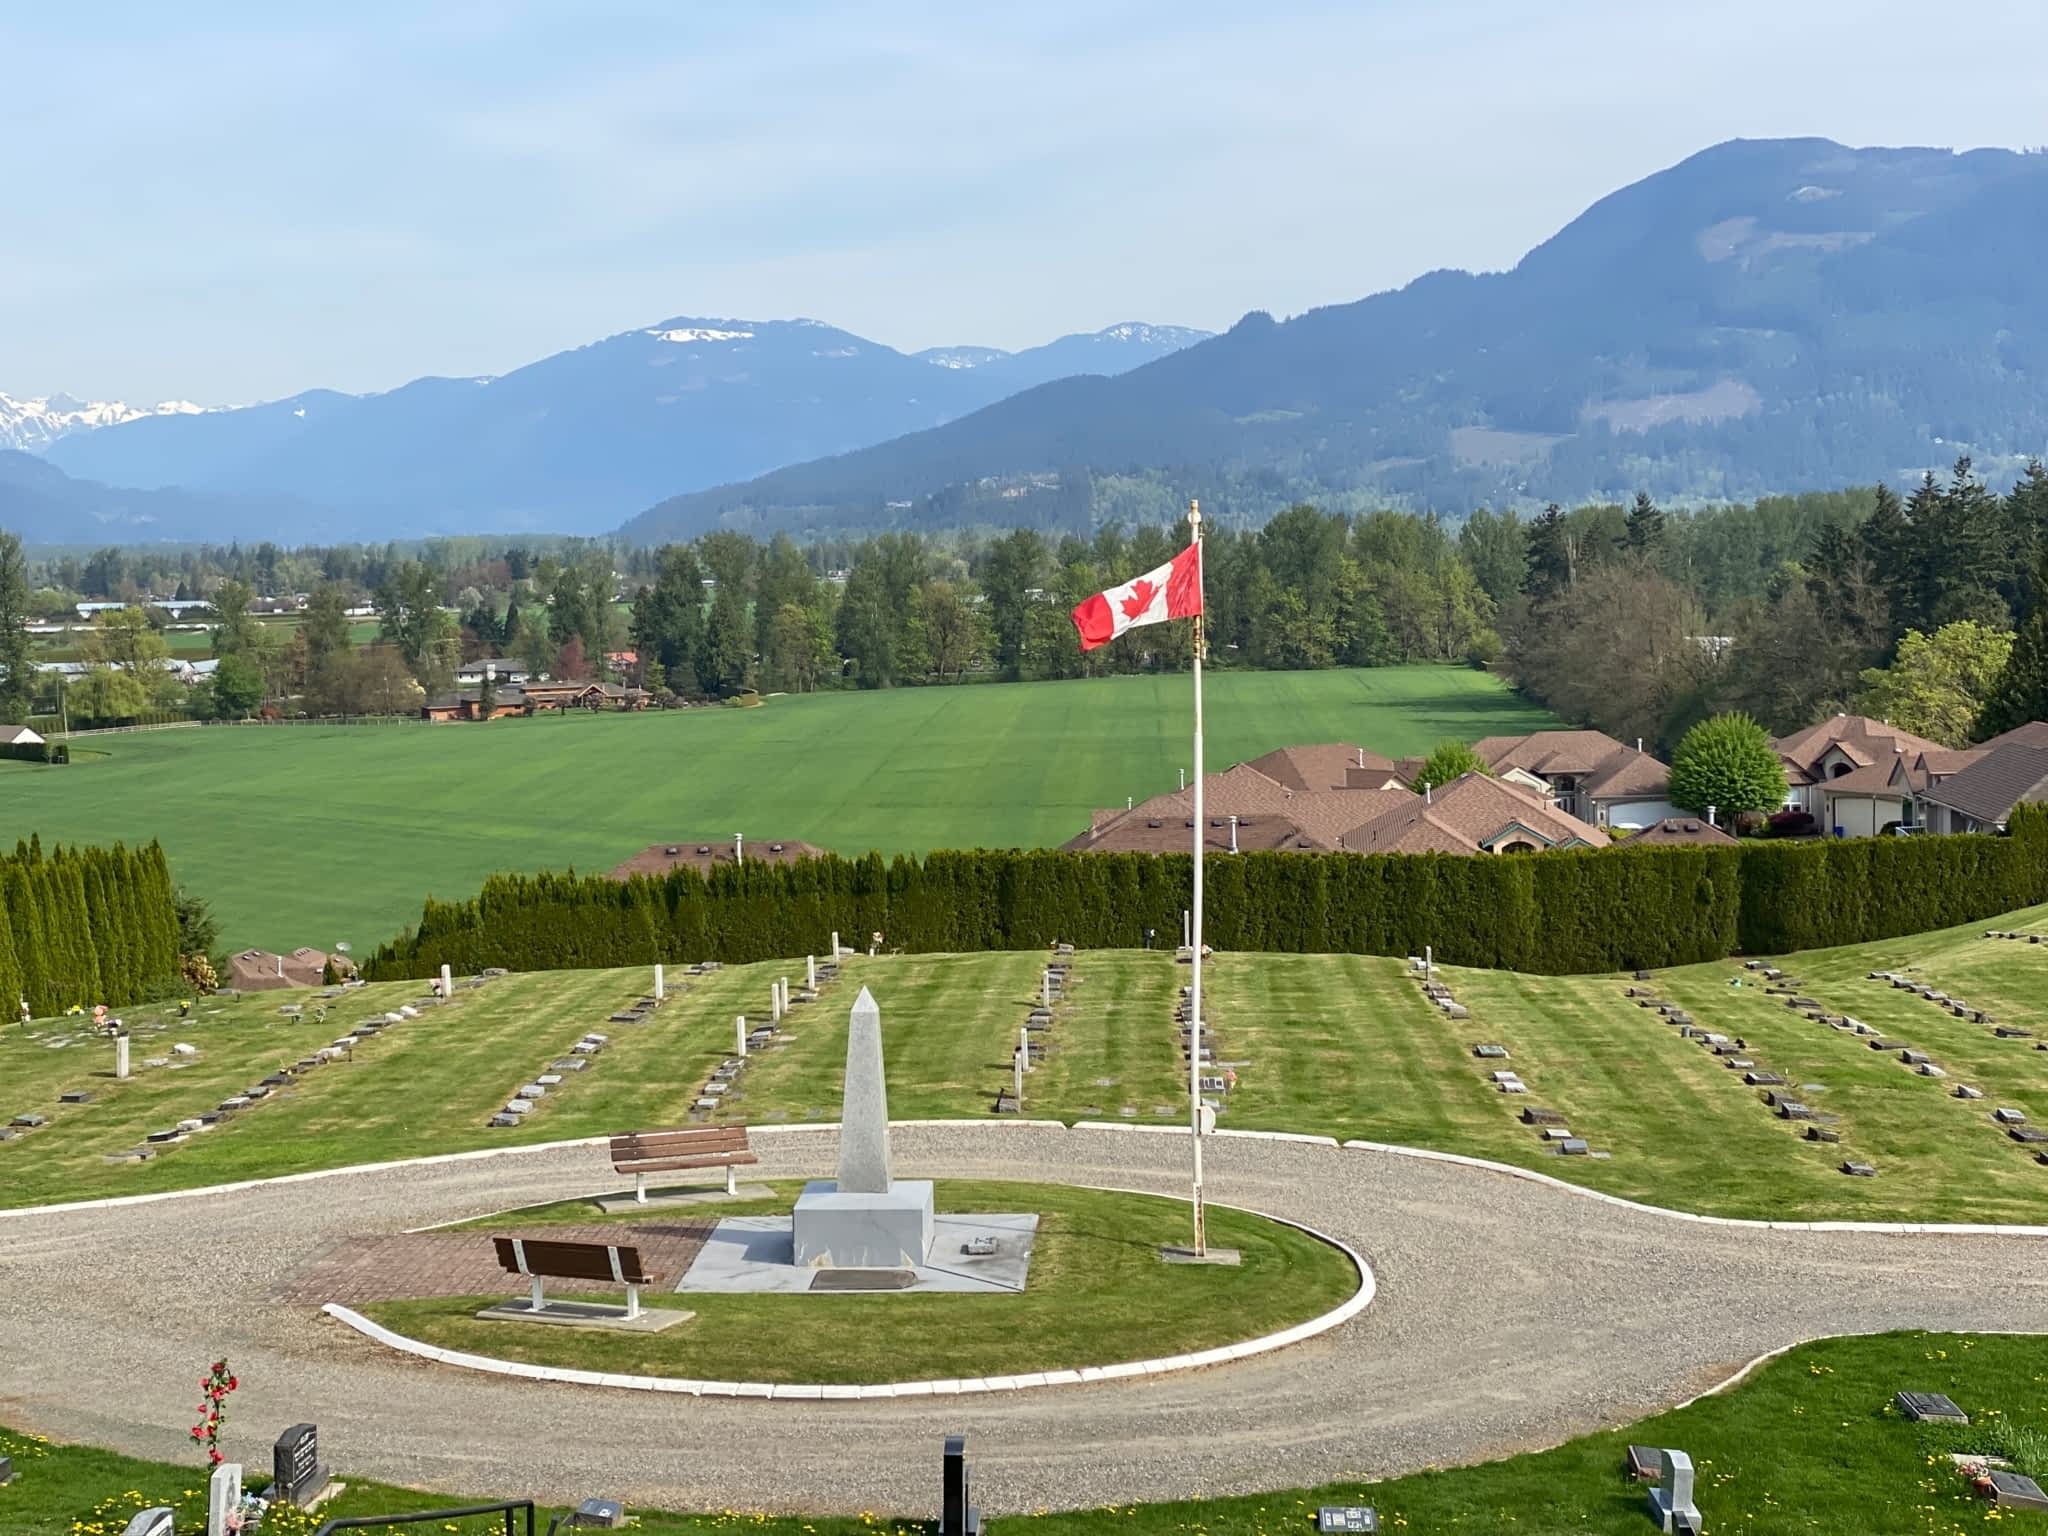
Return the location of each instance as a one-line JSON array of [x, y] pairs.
[[309, 835], [1338, 1045]]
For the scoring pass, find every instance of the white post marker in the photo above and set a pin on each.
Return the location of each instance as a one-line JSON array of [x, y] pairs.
[[1017, 1080], [739, 1030], [1024, 1046], [1045, 987], [785, 994], [447, 983], [1185, 930], [660, 989], [774, 1003], [1195, 920], [1428, 963], [121, 1056], [811, 972], [835, 946]]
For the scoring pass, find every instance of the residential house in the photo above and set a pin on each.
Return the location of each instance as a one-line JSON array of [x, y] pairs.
[[584, 695], [18, 736], [1588, 775], [659, 859], [502, 668], [2006, 771], [1842, 773], [469, 705], [1474, 814]]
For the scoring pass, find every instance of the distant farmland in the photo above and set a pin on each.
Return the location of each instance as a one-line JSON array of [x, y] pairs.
[[310, 834]]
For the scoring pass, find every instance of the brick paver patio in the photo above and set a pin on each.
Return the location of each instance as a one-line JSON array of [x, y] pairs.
[[357, 1269]]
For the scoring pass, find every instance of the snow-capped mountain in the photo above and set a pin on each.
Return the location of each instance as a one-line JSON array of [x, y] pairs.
[[577, 442], [32, 425]]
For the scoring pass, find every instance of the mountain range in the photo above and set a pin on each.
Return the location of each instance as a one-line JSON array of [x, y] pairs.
[[32, 425], [1766, 316], [575, 442]]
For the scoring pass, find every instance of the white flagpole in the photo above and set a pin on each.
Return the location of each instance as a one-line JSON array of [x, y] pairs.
[[1195, 989]]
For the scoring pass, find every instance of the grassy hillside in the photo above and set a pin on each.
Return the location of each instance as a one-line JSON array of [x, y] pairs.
[[306, 835], [1336, 1044]]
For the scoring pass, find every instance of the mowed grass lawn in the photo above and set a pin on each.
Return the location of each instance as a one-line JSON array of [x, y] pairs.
[[1097, 1294], [1342, 1045], [308, 835], [1809, 1443]]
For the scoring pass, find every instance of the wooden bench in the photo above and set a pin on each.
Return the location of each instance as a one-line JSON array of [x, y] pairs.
[[603, 1262], [708, 1146]]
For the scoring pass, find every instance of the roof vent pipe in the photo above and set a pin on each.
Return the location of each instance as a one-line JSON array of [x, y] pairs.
[[1426, 800], [1710, 817], [1233, 834]]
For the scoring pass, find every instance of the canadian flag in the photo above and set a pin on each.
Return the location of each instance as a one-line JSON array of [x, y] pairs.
[[1174, 591]]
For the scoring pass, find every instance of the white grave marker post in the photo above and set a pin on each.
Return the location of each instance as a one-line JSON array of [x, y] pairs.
[[774, 1003], [1017, 1079], [739, 1030], [785, 994], [1024, 1046], [811, 972], [223, 1497], [835, 945], [1045, 987], [121, 1056], [1185, 941], [447, 983], [660, 988]]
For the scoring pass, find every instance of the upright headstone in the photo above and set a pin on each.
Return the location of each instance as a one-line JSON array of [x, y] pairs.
[[864, 1123], [835, 946], [774, 1002], [447, 982], [811, 972], [1017, 1078], [660, 988], [295, 1471], [1186, 930], [958, 1515], [160, 1521], [739, 1032], [120, 1056], [1045, 987], [1024, 1047], [1671, 1504], [223, 1497]]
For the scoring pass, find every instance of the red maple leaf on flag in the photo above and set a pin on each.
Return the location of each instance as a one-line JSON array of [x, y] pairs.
[[1142, 593]]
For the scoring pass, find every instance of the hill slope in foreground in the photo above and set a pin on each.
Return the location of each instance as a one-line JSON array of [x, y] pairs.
[[312, 834]]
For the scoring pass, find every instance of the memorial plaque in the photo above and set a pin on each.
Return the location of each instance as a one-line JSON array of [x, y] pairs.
[[1347, 1517], [1930, 1407], [2012, 1491], [152, 1522]]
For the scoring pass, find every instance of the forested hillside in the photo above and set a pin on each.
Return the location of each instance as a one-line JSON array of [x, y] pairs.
[[1767, 316]]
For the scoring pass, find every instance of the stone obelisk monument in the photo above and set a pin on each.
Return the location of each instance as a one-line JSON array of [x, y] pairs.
[[864, 1219]]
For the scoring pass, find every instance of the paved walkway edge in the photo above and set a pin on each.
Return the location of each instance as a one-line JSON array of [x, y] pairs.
[[1900, 1228], [1223, 1354]]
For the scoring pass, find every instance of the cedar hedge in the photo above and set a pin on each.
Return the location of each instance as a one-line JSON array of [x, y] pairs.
[[1607, 909], [85, 925]]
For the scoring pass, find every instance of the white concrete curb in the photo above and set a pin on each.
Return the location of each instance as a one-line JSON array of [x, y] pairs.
[[1894, 1228], [1224, 1354]]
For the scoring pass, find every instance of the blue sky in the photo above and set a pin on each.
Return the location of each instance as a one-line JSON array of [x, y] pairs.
[[231, 202]]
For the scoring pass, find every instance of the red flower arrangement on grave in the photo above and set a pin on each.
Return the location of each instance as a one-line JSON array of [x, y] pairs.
[[216, 1384]]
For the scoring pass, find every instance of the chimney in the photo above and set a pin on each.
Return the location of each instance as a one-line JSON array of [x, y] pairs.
[[1233, 834], [739, 853]]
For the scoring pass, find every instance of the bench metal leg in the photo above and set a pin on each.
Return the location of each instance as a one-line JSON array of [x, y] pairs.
[[732, 1179], [539, 1301], [640, 1187], [632, 1302]]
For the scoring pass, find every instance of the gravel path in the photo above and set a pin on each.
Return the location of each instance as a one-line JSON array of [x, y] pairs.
[[1509, 1316]]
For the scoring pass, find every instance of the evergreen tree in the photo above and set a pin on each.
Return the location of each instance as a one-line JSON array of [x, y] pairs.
[[1645, 524], [17, 664], [10, 970], [1550, 554], [25, 925], [2022, 691]]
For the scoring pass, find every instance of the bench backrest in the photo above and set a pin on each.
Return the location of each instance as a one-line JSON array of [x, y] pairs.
[[571, 1261], [638, 1146]]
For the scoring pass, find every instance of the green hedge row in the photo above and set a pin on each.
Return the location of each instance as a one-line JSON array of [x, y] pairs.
[[36, 751], [1608, 909], [85, 925]]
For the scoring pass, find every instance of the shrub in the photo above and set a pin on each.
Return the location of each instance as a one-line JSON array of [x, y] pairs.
[[1792, 822], [1727, 762]]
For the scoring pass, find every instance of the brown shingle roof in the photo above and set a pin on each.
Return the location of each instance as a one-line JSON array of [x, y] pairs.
[[1607, 769], [1678, 830], [1469, 812], [1862, 739], [704, 856], [1318, 768], [2033, 734], [1133, 832], [1989, 788]]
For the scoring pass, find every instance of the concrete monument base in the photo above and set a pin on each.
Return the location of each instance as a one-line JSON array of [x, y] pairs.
[[860, 1229]]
